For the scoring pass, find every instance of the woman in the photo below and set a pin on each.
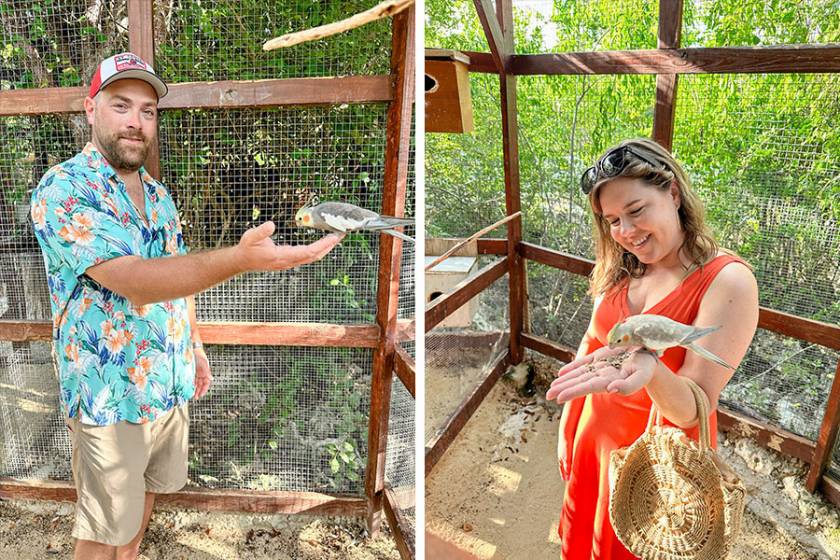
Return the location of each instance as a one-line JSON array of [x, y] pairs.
[[654, 254]]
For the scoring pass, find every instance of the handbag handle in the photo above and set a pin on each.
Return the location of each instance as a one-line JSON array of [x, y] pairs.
[[703, 405]]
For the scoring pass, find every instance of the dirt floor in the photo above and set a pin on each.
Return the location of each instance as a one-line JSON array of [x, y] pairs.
[[41, 531], [496, 493]]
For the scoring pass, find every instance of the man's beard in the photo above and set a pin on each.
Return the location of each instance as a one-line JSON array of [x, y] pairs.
[[119, 155]]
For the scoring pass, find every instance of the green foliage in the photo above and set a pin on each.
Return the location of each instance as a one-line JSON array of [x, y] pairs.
[[222, 39]]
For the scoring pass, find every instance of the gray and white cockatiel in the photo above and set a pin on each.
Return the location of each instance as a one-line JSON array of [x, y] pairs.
[[659, 333], [342, 217]]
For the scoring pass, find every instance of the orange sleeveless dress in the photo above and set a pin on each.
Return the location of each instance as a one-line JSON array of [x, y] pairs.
[[600, 423]]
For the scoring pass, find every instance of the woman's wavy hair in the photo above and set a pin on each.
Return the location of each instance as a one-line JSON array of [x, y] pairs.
[[613, 264]]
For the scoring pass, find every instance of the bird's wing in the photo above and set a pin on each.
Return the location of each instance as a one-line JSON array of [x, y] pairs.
[[347, 210], [342, 223], [659, 335]]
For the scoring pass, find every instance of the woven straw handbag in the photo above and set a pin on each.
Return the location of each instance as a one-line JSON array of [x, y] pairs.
[[672, 499]]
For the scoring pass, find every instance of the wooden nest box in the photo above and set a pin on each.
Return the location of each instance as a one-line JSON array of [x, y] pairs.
[[446, 275], [448, 101]]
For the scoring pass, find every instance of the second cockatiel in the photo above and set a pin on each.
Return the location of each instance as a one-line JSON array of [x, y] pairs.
[[342, 217], [659, 333]]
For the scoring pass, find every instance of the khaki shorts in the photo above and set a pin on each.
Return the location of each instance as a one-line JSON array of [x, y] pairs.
[[114, 466]]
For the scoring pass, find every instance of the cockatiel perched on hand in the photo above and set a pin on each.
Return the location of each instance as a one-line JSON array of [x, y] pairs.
[[659, 333], [342, 217]]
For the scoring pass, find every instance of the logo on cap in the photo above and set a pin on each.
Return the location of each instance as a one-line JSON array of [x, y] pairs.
[[127, 61]]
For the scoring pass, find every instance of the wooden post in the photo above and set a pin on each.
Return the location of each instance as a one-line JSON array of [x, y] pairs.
[[390, 255], [510, 131], [141, 41], [670, 24], [828, 434]]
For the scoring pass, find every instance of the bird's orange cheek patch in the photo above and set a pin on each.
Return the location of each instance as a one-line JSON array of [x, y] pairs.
[[307, 219]]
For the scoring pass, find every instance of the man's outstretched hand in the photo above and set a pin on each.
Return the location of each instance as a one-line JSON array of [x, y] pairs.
[[257, 252]]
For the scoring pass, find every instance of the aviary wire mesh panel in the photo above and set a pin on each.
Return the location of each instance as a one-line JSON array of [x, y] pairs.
[[231, 170], [546, 26], [35, 441], [58, 44], [30, 146], [465, 188], [289, 418], [834, 463], [565, 124], [461, 349], [201, 40], [764, 156], [559, 307], [784, 381], [718, 23]]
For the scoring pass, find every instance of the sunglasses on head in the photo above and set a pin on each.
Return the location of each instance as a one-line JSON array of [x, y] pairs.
[[611, 165]]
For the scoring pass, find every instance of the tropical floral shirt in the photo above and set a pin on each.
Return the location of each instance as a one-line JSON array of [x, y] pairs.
[[115, 361]]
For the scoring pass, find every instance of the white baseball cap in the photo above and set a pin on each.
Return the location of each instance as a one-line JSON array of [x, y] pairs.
[[125, 65]]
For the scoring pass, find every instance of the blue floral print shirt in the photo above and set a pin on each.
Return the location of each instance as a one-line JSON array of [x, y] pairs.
[[115, 361]]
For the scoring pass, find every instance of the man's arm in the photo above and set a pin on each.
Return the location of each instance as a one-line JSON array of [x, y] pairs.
[[144, 281]]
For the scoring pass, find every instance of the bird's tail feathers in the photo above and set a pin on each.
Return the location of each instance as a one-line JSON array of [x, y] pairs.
[[702, 352], [399, 234], [698, 333], [393, 221]]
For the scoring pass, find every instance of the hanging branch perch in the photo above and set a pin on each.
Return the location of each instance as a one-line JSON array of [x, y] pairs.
[[381, 10], [477, 234]]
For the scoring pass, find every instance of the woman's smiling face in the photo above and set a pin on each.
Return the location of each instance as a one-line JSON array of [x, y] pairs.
[[643, 219]]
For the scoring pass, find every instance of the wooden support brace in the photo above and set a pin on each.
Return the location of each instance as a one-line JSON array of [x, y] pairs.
[[827, 437], [397, 145]]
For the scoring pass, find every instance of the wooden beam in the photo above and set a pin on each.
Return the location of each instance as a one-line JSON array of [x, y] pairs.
[[557, 259], [771, 437], [141, 41], [828, 434], [397, 146], [290, 334], [493, 33], [400, 526], [437, 446], [442, 307], [723, 60], [215, 95], [249, 501], [830, 488], [548, 347], [510, 146], [809, 330], [670, 25], [263, 334], [273, 93], [405, 368], [484, 245], [24, 331]]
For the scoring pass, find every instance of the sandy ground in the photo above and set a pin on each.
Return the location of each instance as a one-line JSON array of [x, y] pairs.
[[41, 531], [497, 494]]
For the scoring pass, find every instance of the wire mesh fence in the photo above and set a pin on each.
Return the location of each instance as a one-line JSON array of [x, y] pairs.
[[58, 44], [763, 156], [231, 170], [461, 349], [201, 40], [277, 418]]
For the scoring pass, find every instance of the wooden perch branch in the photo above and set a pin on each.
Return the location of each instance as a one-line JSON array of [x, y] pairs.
[[477, 234], [381, 10]]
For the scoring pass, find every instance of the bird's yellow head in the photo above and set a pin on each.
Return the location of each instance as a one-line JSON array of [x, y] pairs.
[[619, 335], [303, 217]]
